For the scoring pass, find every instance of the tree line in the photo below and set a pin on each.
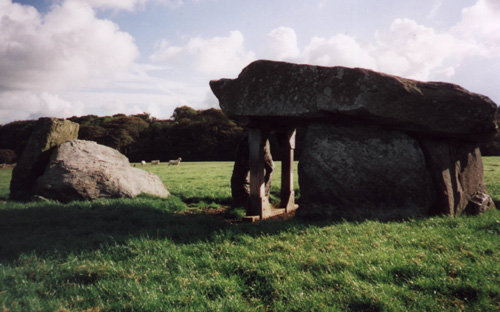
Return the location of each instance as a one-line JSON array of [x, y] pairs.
[[194, 135]]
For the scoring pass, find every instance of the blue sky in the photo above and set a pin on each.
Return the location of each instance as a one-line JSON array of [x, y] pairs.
[[62, 58]]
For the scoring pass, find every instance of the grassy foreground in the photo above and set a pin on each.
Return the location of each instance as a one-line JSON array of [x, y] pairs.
[[149, 254]]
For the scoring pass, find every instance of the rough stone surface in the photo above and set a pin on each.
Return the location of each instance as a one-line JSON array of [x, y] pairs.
[[278, 89], [85, 170], [48, 134], [457, 171], [377, 146], [358, 172], [240, 179]]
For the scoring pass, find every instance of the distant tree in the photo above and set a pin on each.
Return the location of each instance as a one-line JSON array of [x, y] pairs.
[[92, 133], [194, 135], [153, 142], [184, 114], [203, 135], [144, 116], [121, 132], [7, 156], [15, 135], [88, 120]]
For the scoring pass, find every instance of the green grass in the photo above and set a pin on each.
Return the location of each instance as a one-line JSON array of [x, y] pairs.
[[5, 175], [492, 177], [143, 255], [208, 182]]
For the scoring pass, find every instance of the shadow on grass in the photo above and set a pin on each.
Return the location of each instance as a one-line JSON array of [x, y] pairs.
[[51, 227]]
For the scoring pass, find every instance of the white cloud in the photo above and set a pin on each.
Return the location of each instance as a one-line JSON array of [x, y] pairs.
[[339, 50], [282, 44], [217, 56], [414, 51], [165, 53], [480, 25], [407, 48], [220, 55], [43, 56], [21, 105], [68, 46]]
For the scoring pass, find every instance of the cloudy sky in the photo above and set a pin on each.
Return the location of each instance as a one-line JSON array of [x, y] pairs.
[[63, 58]]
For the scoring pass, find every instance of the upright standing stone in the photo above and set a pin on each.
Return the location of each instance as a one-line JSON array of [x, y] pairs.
[[358, 172], [47, 135], [457, 170], [240, 179]]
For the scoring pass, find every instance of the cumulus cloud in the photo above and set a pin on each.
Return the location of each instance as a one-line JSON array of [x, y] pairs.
[[217, 56], [282, 44], [68, 46], [339, 50], [220, 55], [413, 50], [21, 105], [42, 56], [165, 52], [406, 48], [480, 25]]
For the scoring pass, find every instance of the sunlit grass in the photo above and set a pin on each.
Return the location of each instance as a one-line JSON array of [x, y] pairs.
[[189, 180], [492, 176], [147, 254], [5, 176]]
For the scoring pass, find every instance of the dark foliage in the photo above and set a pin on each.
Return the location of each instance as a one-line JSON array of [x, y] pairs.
[[194, 135], [7, 156], [15, 135]]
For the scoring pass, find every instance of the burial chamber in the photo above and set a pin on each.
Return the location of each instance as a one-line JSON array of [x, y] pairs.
[[377, 146]]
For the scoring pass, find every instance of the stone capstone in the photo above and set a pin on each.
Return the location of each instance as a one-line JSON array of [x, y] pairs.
[[85, 170], [48, 134], [377, 146], [305, 92]]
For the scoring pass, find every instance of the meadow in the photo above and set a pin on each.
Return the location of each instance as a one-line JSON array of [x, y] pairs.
[[185, 253]]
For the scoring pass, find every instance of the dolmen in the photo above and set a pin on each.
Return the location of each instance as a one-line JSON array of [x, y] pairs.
[[377, 146]]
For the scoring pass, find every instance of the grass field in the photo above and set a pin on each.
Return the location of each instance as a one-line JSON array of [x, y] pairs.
[[149, 254]]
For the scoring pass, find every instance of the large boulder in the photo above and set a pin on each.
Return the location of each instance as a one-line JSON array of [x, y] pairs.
[[85, 170], [47, 135], [359, 172], [291, 91]]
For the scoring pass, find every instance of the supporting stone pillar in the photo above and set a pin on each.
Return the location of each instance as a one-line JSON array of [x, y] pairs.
[[258, 203], [287, 143]]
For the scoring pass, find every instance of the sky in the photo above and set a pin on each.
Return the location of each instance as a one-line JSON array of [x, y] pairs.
[[63, 58]]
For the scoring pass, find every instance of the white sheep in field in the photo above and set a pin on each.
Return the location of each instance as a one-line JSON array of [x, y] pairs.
[[155, 162], [143, 162], [174, 162]]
